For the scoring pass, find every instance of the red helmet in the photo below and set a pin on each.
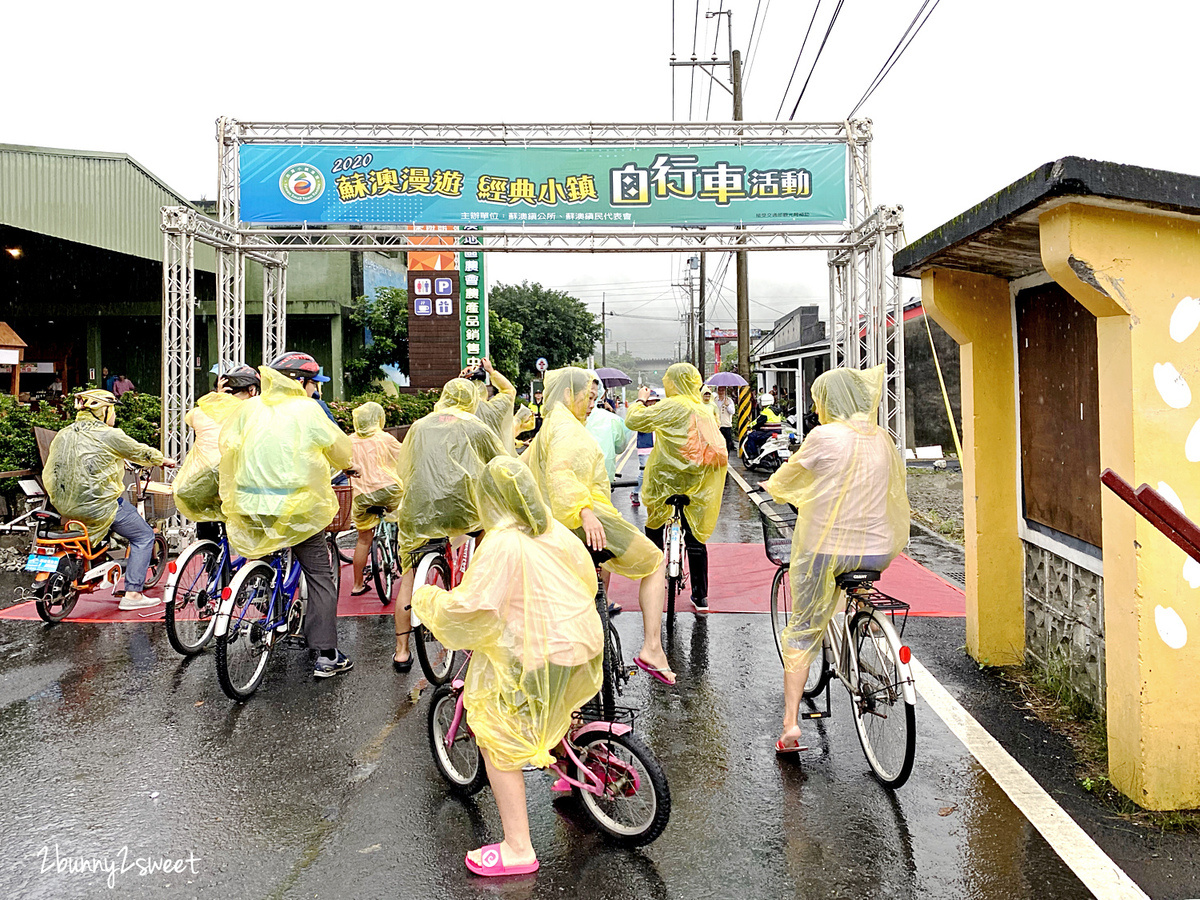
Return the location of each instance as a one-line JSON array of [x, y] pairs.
[[297, 365]]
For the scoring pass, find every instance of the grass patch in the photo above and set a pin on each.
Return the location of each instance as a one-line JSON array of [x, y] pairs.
[[1048, 694], [935, 521]]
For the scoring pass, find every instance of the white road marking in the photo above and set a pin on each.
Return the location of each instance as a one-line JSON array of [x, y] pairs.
[[1099, 874], [1091, 865]]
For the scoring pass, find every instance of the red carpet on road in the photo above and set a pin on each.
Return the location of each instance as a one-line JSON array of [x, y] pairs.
[[739, 580]]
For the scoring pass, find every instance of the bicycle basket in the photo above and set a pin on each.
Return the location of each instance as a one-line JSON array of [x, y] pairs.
[[778, 527], [341, 521], [160, 502]]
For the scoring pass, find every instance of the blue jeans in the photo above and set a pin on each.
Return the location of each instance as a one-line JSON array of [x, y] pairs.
[[131, 526]]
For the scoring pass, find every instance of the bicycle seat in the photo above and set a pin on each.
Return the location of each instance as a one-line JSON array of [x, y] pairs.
[[857, 578], [63, 535], [679, 501], [376, 510], [599, 557]]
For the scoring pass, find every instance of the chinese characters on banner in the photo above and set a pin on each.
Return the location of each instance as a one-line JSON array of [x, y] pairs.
[[474, 343], [562, 186]]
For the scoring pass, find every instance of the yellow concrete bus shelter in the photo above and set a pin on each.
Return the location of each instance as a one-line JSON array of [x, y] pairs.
[[1074, 295]]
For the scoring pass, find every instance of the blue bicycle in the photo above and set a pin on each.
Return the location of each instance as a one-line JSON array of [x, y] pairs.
[[262, 609], [194, 584]]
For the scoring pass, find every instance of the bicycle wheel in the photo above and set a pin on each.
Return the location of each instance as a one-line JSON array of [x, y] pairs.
[[436, 661], [335, 562], [245, 649], [191, 598], [54, 607], [636, 802], [158, 560], [886, 724], [819, 672], [612, 661], [345, 541], [383, 566], [460, 763]]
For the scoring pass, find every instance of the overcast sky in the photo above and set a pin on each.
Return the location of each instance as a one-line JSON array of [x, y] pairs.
[[985, 94]]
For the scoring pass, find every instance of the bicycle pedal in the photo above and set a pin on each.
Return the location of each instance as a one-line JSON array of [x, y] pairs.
[[819, 714]]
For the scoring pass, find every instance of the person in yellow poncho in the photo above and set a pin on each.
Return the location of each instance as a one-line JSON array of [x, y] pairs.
[[689, 458], [847, 484], [276, 454], [440, 462], [568, 466], [496, 412], [84, 480], [525, 607], [196, 486], [376, 483]]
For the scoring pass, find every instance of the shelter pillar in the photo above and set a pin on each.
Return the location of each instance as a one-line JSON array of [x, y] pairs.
[[94, 355], [335, 361], [1138, 273], [976, 311]]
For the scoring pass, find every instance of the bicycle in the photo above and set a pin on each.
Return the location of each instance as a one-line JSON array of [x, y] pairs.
[[616, 673], [384, 561], [611, 772], [194, 584], [676, 554], [262, 608], [437, 562], [862, 649]]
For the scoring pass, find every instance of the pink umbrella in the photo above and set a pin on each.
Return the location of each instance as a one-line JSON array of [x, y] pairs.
[[727, 379]]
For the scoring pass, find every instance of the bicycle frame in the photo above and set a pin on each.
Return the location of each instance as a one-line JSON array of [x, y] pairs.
[[844, 662], [284, 585], [456, 560], [108, 573], [226, 561]]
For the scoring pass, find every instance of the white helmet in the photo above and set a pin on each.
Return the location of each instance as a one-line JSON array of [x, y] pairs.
[[765, 399]]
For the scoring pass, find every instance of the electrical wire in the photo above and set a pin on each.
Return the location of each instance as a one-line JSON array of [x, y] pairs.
[[896, 53], [752, 47], [832, 21], [716, 39], [695, 34], [803, 43]]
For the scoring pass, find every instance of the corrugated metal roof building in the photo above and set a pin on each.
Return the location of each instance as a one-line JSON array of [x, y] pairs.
[[81, 274]]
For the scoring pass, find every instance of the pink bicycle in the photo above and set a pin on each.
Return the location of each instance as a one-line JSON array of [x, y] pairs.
[[609, 770]]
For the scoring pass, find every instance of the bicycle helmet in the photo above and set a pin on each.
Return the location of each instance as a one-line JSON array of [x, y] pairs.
[[300, 366], [241, 377], [95, 400]]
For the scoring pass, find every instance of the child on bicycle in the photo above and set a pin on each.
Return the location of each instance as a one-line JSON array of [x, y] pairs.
[[689, 458], [847, 485], [440, 462], [376, 483], [568, 466], [526, 609]]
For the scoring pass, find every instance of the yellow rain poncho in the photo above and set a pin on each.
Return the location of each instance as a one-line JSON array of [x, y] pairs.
[[689, 455], [847, 484], [526, 607], [197, 484], [497, 413], [276, 455], [84, 471], [568, 466], [374, 454], [440, 462]]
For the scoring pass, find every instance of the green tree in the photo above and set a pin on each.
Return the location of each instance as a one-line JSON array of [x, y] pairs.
[[386, 317], [505, 343], [556, 325]]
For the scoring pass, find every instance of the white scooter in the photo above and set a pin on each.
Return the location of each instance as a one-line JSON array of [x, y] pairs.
[[772, 453]]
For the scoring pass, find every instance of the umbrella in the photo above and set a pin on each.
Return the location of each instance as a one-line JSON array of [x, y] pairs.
[[613, 377], [727, 379]]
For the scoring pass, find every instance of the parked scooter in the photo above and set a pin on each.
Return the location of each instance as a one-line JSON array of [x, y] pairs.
[[772, 453]]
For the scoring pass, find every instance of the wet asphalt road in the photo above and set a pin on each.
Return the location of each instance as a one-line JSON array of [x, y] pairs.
[[115, 749]]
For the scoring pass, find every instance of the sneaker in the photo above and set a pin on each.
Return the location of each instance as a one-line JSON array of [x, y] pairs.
[[700, 602], [327, 668], [633, 499], [137, 600]]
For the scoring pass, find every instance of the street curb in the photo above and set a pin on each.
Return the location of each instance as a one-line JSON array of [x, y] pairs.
[[930, 533]]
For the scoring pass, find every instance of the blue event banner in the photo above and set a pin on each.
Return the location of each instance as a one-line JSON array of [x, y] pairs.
[[581, 187]]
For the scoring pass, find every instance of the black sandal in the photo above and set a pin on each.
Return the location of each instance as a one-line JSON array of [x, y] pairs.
[[354, 593], [405, 666]]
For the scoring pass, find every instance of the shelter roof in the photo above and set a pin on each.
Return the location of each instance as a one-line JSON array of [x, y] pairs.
[[9, 338], [1001, 237]]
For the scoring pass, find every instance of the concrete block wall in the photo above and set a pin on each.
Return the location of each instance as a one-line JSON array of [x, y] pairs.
[[1064, 620]]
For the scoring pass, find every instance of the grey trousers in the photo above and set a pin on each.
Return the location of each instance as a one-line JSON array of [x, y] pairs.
[[131, 526], [320, 614]]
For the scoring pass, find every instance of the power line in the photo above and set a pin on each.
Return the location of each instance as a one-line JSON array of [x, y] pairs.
[[832, 21], [803, 43], [716, 38], [695, 33], [896, 53], [752, 46]]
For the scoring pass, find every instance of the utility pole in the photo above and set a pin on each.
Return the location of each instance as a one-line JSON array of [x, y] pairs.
[[743, 273], [700, 336], [603, 329]]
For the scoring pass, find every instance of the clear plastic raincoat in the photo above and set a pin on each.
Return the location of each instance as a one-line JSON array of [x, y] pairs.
[[689, 455], [526, 608], [373, 455], [276, 455], [611, 435], [440, 462], [569, 469], [197, 483], [497, 413], [84, 471], [847, 484]]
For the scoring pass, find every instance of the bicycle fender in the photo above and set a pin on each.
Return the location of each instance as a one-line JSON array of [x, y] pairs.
[[173, 577], [225, 609], [909, 686], [617, 728], [419, 579]]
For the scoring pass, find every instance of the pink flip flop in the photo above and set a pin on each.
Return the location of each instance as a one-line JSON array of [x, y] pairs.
[[782, 749], [561, 786], [491, 864], [656, 674]]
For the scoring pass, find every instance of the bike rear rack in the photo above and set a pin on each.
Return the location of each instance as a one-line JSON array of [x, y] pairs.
[[871, 596]]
